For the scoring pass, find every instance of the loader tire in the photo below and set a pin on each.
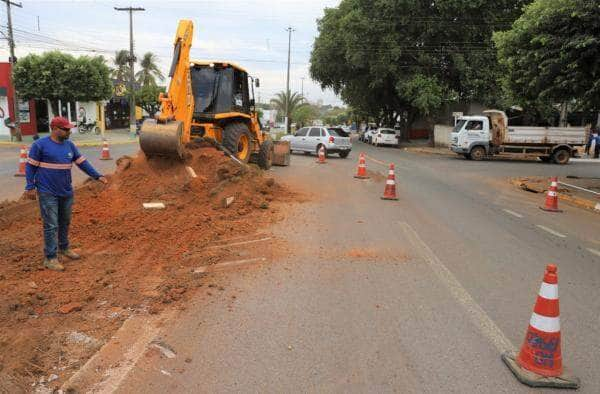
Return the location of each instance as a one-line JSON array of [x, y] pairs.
[[238, 140], [265, 155]]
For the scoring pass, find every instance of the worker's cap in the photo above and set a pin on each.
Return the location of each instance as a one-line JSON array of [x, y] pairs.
[[60, 122]]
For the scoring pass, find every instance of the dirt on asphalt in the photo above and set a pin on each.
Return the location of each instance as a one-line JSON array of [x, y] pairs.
[[134, 260]]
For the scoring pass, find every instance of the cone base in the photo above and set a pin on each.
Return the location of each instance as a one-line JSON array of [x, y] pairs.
[[550, 209], [321, 162], [18, 174], [361, 177], [106, 158], [531, 379], [389, 198]]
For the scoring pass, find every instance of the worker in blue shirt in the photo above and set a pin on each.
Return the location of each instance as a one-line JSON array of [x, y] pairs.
[[48, 174]]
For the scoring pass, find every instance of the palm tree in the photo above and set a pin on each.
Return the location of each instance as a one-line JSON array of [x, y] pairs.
[[121, 61], [296, 101], [150, 72]]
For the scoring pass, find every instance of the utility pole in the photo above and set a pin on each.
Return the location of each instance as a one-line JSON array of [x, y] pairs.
[[287, 90], [132, 128], [302, 89], [12, 61]]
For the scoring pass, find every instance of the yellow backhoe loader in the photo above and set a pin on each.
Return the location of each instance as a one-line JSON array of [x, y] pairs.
[[210, 100]]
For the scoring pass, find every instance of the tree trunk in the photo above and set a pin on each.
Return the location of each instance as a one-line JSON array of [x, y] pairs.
[[563, 115]]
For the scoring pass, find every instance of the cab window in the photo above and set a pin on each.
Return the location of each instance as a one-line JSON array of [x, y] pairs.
[[302, 132], [475, 125]]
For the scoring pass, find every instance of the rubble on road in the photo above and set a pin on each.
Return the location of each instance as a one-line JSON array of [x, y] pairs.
[[571, 193], [134, 260]]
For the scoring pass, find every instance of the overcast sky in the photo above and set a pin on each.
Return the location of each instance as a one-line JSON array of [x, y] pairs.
[[251, 33]]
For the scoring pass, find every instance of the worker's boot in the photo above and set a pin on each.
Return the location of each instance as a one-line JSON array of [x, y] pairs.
[[70, 254], [53, 264]]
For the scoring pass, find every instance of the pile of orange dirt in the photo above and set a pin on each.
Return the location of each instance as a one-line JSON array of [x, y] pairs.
[[135, 260]]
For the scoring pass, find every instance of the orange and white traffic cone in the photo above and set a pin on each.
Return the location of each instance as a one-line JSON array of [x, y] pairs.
[[390, 185], [361, 172], [539, 363], [22, 161], [552, 197], [321, 158], [105, 151]]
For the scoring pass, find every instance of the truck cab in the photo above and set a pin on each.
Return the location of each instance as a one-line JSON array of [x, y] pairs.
[[471, 135]]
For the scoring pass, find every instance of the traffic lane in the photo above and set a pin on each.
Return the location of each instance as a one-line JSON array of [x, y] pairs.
[[500, 259], [353, 307], [12, 187], [490, 179]]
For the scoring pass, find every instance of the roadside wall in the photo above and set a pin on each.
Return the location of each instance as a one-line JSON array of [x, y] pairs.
[[441, 135]]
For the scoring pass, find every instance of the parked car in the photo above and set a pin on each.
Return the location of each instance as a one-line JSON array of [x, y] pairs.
[[311, 139], [368, 136], [363, 135], [383, 136]]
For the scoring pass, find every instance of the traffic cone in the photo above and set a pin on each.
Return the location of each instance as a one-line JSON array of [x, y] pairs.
[[552, 196], [22, 161], [539, 363], [390, 185], [105, 151], [361, 172], [321, 158]]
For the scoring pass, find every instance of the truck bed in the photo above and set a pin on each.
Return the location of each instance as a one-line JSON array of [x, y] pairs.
[[545, 136]]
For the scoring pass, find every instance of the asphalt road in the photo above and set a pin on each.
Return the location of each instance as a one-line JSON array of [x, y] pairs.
[[12, 187], [417, 295]]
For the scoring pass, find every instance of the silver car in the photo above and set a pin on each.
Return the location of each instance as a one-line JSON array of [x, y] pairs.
[[311, 139]]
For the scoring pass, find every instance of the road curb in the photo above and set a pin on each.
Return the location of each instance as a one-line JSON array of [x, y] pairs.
[[585, 203]]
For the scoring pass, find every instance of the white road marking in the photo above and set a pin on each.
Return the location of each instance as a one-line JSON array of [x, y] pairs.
[[477, 315], [377, 161], [549, 230], [518, 215], [594, 251]]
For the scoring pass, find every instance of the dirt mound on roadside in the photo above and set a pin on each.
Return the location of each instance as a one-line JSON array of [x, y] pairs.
[[135, 260]]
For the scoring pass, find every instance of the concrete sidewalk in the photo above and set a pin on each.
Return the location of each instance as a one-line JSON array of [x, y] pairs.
[[114, 137]]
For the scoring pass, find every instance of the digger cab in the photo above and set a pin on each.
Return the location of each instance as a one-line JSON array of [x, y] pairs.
[[220, 90]]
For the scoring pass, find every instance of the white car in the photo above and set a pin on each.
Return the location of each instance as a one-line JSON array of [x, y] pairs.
[[368, 136], [311, 139], [384, 136]]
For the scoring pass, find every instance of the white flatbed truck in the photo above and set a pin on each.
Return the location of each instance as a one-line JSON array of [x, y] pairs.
[[479, 137]]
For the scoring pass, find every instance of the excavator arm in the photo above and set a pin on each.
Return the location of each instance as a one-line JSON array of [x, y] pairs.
[[166, 135]]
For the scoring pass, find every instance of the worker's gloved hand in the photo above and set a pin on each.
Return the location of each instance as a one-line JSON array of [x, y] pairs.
[[29, 195], [103, 180]]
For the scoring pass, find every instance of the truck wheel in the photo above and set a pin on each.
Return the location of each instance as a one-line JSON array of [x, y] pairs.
[[478, 153], [265, 155], [237, 139], [561, 156], [345, 154]]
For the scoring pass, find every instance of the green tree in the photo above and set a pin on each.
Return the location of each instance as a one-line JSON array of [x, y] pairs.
[[121, 63], [296, 101], [149, 71], [58, 76], [147, 98], [379, 54], [550, 55], [304, 115]]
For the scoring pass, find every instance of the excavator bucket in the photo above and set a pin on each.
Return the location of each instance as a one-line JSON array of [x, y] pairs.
[[162, 139]]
